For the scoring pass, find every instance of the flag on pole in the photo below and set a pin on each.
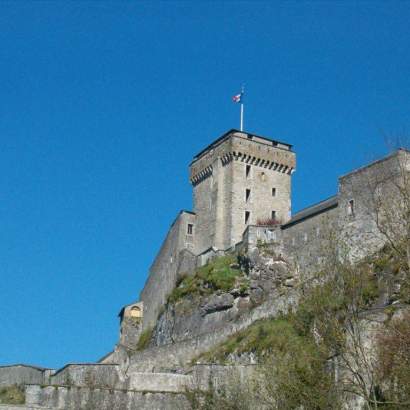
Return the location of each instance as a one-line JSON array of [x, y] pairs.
[[238, 98]]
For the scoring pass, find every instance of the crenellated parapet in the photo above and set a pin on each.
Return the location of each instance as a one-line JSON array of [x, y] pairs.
[[284, 168], [201, 175], [244, 147]]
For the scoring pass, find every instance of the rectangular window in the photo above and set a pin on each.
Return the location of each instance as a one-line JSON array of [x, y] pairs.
[[273, 191], [247, 216], [247, 194], [190, 229], [248, 171], [273, 215], [350, 207]]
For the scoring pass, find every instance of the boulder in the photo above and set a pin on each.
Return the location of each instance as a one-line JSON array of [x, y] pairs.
[[216, 303]]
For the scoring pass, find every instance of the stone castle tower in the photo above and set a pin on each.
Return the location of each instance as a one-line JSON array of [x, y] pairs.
[[239, 180]]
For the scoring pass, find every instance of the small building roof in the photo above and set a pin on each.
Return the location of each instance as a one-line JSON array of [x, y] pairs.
[[125, 306], [313, 210]]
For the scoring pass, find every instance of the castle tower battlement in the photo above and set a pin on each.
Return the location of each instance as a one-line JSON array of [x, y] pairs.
[[238, 180]]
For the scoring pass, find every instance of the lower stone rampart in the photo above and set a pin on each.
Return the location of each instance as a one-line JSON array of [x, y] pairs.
[[88, 375], [24, 407], [85, 398], [173, 356], [153, 391], [22, 374]]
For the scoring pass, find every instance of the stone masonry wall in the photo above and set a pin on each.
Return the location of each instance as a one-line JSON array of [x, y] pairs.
[[164, 271], [84, 398], [220, 182], [371, 188], [261, 202], [21, 374], [87, 375], [307, 242]]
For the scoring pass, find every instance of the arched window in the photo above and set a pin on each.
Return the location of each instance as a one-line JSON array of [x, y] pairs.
[[135, 311]]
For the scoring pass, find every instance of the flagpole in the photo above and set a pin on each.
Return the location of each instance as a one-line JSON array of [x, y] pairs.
[[242, 94], [241, 116]]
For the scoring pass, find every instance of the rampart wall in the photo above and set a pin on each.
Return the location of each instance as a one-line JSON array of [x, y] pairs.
[[22, 374], [85, 398], [372, 191], [87, 375], [153, 391], [174, 253], [308, 237]]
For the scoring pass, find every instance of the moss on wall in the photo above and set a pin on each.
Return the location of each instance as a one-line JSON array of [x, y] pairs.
[[12, 395], [219, 274]]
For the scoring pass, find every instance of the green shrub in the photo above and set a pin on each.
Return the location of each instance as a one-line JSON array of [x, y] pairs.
[[145, 338], [12, 395], [294, 367], [262, 337], [216, 275]]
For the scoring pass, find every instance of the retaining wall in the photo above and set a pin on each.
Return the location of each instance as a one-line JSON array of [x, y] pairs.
[[172, 356], [88, 375], [84, 398]]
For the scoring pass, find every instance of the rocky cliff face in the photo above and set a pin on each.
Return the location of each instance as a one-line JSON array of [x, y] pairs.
[[257, 277]]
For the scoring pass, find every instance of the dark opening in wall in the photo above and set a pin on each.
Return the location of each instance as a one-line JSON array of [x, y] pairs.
[[273, 191], [248, 171], [350, 207], [190, 229], [247, 194], [247, 216], [273, 214]]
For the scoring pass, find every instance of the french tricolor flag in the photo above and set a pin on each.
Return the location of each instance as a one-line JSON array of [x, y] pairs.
[[238, 98]]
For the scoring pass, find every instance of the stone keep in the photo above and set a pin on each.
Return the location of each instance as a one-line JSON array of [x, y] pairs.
[[239, 180]]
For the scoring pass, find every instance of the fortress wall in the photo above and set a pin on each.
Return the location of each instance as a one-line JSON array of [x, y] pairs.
[[21, 374], [187, 262], [160, 382], [373, 194], [85, 398], [153, 391], [220, 376], [24, 407], [163, 273], [87, 375], [307, 242], [312, 233], [255, 234]]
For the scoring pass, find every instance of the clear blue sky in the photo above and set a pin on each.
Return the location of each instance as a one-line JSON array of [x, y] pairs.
[[103, 105]]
